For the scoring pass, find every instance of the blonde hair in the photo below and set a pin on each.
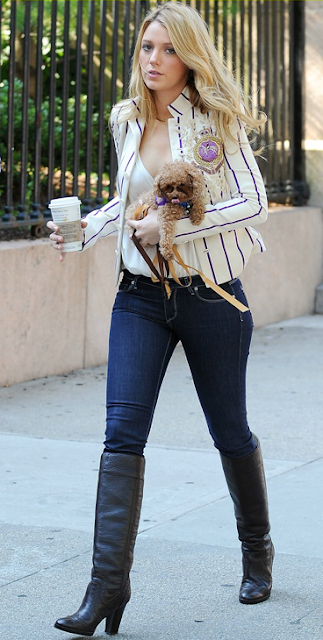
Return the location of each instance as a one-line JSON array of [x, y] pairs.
[[211, 85]]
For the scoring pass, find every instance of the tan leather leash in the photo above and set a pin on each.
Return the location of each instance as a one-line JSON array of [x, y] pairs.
[[221, 292], [169, 266]]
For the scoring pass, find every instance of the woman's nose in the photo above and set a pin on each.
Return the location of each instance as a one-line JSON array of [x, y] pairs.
[[154, 58]]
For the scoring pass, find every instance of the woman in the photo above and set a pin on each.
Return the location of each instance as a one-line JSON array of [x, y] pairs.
[[183, 104]]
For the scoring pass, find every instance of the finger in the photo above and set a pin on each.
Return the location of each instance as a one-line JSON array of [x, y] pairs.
[[56, 238], [84, 224], [59, 247], [132, 223]]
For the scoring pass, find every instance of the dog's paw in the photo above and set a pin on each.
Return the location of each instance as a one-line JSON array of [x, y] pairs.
[[196, 219]]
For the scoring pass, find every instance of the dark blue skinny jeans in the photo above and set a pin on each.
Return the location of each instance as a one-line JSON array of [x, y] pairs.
[[145, 329]]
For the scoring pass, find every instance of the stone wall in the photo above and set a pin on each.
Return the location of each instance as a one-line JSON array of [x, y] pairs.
[[282, 283], [55, 316]]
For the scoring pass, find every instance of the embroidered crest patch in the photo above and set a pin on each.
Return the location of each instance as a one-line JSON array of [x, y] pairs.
[[208, 151]]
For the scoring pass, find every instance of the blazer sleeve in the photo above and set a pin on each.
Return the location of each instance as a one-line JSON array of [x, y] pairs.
[[102, 222], [247, 204], [105, 221]]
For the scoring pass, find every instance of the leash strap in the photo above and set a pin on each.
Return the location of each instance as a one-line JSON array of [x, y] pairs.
[[169, 266], [159, 276], [221, 292]]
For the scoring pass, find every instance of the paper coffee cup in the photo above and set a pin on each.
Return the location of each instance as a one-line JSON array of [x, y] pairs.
[[66, 213]]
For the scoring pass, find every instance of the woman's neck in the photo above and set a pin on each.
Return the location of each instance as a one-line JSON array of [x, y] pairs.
[[161, 104]]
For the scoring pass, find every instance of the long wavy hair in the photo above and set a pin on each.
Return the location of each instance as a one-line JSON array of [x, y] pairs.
[[211, 85]]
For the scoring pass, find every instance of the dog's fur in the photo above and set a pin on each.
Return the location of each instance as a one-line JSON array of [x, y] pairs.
[[177, 182]]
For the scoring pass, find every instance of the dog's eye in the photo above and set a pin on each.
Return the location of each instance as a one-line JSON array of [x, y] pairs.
[[182, 184], [169, 187]]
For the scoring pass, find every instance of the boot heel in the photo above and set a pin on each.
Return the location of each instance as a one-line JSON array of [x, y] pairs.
[[113, 621]]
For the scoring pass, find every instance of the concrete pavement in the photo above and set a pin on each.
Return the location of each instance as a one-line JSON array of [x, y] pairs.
[[187, 566]]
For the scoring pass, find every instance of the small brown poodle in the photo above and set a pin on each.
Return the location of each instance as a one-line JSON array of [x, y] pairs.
[[179, 191]]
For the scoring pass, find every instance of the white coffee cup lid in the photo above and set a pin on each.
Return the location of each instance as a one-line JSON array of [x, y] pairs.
[[65, 202]]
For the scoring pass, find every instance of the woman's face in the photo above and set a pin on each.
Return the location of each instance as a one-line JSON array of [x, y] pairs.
[[162, 69]]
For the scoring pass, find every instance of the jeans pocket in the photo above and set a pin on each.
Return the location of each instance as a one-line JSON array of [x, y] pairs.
[[127, 284], [206, 294]]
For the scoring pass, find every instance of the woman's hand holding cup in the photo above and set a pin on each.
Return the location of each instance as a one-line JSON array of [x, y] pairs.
[[58, 239], [67, 224]]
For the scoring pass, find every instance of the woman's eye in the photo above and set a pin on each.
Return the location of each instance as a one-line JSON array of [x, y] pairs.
[[146, 47], [170, 50]]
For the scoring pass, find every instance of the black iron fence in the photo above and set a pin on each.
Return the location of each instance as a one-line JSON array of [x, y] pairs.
[[64, 63]]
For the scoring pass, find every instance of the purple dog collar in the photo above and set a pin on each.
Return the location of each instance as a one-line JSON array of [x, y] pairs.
[[162, 201]]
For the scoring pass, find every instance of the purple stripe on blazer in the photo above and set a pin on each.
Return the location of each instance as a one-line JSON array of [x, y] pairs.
[[226, 255], [176, 110], [106, 207], [239, 248], [100, 231], [251, 173], [179, 136], [250, 236], [260, 245], [210, 261]]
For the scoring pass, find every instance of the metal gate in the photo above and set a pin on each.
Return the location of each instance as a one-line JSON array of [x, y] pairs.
[[64, 63]]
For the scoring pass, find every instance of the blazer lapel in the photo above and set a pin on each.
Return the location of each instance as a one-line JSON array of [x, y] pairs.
[[131, 146], [129, 156]]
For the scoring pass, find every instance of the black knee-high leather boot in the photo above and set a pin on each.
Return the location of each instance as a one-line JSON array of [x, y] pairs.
[[119, 497], [247, 486]]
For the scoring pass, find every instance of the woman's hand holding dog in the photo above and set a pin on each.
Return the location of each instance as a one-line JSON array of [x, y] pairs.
[[147, 229]]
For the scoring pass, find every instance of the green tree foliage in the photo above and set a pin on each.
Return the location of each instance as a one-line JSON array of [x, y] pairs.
[[20, 36], [18, 114]]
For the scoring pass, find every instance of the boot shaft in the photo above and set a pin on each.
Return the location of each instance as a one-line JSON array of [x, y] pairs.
[[247, 486], [118, 506]]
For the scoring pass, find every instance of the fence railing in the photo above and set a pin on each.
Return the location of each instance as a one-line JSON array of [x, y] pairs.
[[64, 63]]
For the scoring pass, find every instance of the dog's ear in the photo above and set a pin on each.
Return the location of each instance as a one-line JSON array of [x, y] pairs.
[[197, 179], [159, 185], [190, 178]]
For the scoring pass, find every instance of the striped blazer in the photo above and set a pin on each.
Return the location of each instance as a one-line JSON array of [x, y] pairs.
[[225, 240]]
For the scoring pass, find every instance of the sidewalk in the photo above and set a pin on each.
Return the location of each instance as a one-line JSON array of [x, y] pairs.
[[187, 566]]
